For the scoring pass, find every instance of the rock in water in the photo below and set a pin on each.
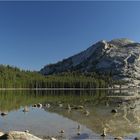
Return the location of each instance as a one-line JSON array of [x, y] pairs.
[[18, 135], [118, 138], [86, 113], [4, 113], [61, 105], [53, 138], [104, 132], [39, 105], [26, 109], [35, 105], [62, 131], [114, 111], [119, 57], [78, 107], [27, 131]]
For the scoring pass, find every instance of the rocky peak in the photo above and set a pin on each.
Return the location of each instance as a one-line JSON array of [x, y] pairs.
[[121, 42], [121, 57]]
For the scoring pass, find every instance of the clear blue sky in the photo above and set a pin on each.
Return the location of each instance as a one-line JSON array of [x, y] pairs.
[[33, 34]]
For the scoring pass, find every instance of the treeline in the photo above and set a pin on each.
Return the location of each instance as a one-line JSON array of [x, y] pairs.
[[13, 77]]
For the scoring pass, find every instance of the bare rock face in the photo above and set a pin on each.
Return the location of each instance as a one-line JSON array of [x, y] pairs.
[[120, 57]]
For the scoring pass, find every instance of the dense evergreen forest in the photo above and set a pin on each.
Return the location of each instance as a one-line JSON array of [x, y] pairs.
[[13, 77]]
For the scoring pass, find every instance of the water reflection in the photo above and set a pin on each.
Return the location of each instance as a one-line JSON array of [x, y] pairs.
[[90, 109]]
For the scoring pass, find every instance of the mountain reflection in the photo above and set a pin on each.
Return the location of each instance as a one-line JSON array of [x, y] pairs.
[[98, 103]]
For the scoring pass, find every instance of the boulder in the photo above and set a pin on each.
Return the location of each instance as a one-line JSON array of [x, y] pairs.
[[18, 135], [1, 134]]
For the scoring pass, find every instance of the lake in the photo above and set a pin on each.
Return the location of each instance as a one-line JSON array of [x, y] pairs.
[[81, 114]]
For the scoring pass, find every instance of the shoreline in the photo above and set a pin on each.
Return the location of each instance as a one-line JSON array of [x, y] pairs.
[[131, 88]]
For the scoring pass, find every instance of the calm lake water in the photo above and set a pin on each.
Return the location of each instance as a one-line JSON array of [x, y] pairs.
[[65, 110]]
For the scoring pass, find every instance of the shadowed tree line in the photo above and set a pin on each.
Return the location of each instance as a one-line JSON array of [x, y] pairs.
[[13, 100]]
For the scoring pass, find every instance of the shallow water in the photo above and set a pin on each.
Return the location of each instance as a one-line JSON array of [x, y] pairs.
[[50, 120]]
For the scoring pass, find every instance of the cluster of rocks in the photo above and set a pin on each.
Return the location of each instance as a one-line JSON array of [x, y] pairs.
[[14, 135], [19, 135]]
